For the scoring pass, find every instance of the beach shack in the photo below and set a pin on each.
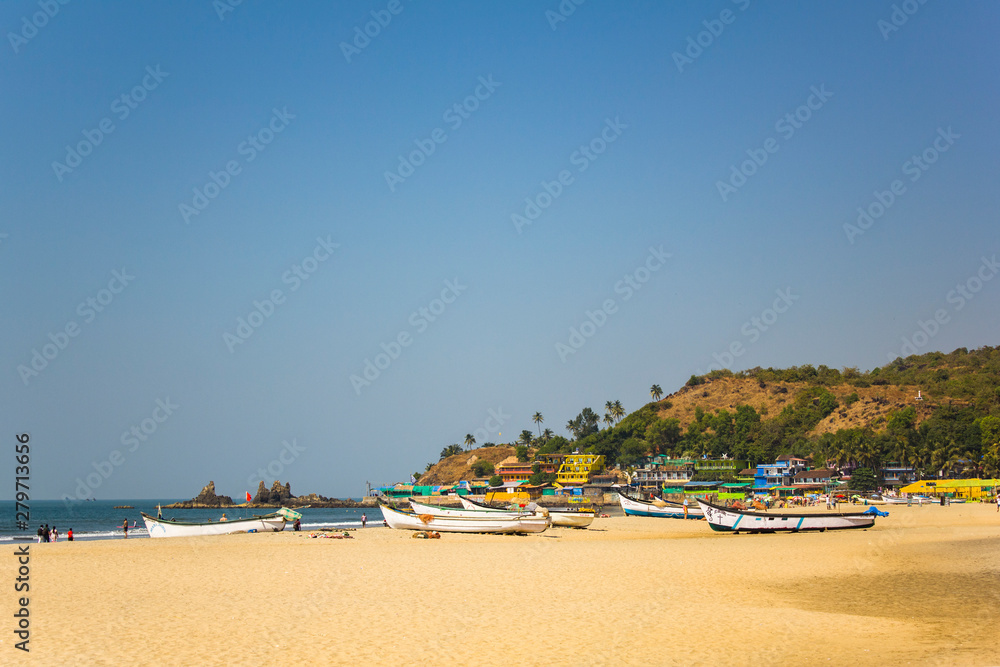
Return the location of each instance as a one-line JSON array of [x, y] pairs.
[[968, 489]]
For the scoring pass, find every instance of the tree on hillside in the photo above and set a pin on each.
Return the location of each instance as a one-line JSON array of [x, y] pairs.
[[526, 437], [583, 424], [482, 468], [521, 452], [617, 411], [470, 440], [538, 419], [547, 434], [608, 419], [655, 392], [451, 450], [609, 408], [496, 480], [664, 435]]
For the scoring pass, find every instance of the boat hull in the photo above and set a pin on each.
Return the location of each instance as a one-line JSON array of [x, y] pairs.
[[559, 517], [166, 528], [526, 523], [572, 519], [736, 521], [437, 510], [670, 510]]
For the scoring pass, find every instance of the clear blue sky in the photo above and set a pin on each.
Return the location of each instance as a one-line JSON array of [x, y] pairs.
[[659, 135]]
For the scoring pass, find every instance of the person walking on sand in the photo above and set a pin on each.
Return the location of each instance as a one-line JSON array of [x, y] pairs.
[[125, 527], [685, 508], [364, 518], [45, 533], [69, 535], [41, 533]]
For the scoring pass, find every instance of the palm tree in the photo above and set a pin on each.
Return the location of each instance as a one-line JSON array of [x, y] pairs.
[[655, 392], [547, 434], [538, 419], [609, 407], [470, 440], [608, 419], [617, 411], [526, 437]]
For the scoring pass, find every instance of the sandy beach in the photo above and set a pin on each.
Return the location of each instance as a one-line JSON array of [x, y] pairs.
[[920, 588]]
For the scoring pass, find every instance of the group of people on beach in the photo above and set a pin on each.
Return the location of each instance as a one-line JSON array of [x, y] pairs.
[[46, 534]]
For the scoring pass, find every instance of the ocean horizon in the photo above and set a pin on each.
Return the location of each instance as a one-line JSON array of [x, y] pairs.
[[99, 520]]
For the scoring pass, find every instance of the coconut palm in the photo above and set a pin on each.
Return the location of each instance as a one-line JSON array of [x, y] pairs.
[[608, 419], [538, 419], [655, 392], [547, 434], [617, 411], [526, 437], [470, 440]]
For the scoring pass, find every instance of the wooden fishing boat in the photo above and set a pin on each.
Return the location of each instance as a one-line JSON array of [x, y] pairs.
[[560, 516], [727, 519], [659, 508], [476, 512], [524, 523], [267, 523]]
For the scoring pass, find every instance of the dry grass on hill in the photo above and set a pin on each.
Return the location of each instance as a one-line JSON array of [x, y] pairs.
[[459, 466], [871, 409]]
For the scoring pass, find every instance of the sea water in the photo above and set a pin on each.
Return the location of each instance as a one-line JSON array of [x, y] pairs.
[[99, 520]]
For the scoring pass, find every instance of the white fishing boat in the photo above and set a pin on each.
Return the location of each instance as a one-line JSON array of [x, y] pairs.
[[480, 512], [727, 519], [525, 523], [268, 523], [562, 517], [659, 508]]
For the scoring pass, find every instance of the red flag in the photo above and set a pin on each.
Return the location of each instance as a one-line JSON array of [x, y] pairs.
[[249, 497]]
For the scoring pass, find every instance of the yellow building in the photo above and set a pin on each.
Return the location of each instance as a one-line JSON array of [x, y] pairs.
[[578, 468]]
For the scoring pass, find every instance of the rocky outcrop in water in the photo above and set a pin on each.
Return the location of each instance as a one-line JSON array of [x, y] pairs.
[[279, 495], [207, 498]]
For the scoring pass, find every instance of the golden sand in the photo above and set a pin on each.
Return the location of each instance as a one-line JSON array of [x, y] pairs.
[[921, 588]]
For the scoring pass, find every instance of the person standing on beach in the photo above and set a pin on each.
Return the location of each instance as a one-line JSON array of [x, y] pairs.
[[69, 535], [998, 501], [125, 527], [685, 508], [41, 533], [45, 533], [55, 534], [364, 518]]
